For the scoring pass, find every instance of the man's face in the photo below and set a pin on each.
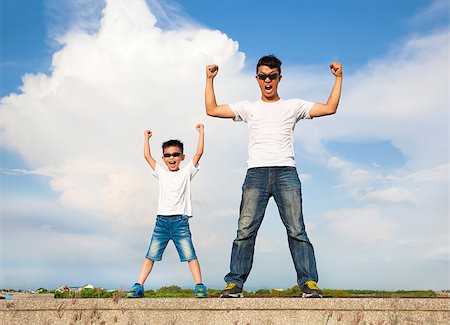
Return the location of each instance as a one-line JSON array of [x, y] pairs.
[[269, 83], [172, 157]]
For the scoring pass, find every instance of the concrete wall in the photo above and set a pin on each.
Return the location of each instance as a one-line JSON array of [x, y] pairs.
[[246, 311]]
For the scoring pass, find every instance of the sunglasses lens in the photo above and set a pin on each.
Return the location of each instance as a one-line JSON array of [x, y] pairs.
[[175, 154], [272, 76]]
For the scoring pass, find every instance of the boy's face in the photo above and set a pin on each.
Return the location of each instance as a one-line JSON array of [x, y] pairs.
[[172, 157], [269, 83]]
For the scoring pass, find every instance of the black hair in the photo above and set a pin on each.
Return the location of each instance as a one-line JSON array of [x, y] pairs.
[[173, 143], [271, 61]]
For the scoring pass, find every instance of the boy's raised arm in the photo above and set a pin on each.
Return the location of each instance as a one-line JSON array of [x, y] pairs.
[[148, 156], [330, 107], [212, 109], [201, 143]]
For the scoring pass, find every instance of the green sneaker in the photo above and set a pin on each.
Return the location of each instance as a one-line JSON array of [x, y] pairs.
[[232, 290], [311, 290]]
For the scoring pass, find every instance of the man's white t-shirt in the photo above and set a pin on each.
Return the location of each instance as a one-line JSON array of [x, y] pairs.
[[271, 129], [175, 190]]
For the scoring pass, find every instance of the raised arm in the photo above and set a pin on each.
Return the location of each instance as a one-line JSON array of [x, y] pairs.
[[212, 109], [201, 143], [330, 107], [148, 156]]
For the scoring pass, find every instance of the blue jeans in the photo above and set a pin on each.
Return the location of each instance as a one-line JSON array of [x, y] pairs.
[[175, 228], [284, 185]]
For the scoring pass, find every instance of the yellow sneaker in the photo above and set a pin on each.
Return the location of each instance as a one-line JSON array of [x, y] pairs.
[[311, 290]]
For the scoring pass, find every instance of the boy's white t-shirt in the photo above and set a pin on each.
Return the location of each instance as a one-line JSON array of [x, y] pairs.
[[175, 189], [271, 129]]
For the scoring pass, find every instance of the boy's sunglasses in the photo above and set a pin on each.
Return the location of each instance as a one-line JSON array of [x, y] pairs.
[[272, 76], [175, 154]]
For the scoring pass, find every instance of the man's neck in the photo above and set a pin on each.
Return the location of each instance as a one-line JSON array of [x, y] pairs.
[[271, 99]]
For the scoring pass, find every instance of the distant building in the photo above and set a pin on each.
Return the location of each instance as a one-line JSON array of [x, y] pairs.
[[65, 288], [62, 288], [443, 293], [88, 287]]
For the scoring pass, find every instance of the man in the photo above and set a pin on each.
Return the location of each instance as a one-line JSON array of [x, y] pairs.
[[271, 170]]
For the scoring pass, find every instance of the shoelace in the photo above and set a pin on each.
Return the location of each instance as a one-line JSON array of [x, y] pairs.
[[134, 289], [312, 285], [229, 286]]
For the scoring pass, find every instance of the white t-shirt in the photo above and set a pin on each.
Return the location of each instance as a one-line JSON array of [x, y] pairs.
[[271, 129], [175, 190]]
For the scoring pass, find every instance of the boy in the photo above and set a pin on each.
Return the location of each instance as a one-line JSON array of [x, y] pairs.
[[271, 170], [174, 210]]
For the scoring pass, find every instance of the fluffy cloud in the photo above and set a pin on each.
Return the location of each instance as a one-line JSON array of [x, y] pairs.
[[366, 185], [361, 226], [401, 97], [84, 122]]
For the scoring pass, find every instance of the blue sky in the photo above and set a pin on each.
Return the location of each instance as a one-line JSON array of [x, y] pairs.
[[79, 84]]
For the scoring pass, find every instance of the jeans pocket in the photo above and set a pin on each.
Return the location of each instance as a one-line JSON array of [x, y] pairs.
[[255, 178], [184, 221]]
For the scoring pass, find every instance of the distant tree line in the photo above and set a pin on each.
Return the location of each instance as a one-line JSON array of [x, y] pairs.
[[175, 291]]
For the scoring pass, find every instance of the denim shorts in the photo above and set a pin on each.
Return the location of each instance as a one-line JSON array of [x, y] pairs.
[[175, 228]]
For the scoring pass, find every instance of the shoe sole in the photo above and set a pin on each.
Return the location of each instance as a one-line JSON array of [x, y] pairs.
[[311, 295], [232, 295], [134, 296]]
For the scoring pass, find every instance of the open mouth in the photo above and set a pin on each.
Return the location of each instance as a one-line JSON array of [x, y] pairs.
[[268, 87]]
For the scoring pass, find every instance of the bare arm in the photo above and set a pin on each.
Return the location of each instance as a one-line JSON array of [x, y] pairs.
[[212, 109], [147, 154], [200, 145], [330, 107]]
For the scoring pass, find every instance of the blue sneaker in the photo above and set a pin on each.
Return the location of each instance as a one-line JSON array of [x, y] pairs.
[[200, 291], [136, 291]]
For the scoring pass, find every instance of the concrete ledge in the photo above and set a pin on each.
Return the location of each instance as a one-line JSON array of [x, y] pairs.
[[247, 311]]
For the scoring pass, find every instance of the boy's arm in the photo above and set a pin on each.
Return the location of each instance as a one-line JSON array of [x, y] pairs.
[[147, 154], [332, 103], [201, 143], [212, 109]]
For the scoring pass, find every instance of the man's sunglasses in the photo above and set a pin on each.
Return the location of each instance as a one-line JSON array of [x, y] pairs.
[[175, 154], [272, 76]]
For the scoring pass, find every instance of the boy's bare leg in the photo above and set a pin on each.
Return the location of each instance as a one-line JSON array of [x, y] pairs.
[[146, 268], [195, 270]]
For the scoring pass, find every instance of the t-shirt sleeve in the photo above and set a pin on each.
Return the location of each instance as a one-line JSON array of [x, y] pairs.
[[192, 169], [303, 108], [157, 170], [240, 110]]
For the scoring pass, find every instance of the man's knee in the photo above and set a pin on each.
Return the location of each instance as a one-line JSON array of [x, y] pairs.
[[298, 234]]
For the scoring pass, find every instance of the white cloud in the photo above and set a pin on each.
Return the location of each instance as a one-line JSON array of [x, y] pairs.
[[17, 171], [440, 253], [436, 174], [361, 226], [84, 122], [365, 185], [390, 195], [437, 8], [402, 97]]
